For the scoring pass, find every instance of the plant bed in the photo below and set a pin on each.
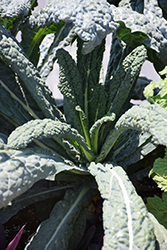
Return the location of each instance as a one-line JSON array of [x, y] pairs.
[[100, 146]]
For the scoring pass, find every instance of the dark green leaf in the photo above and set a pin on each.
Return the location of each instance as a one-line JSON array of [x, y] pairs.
[[15, 57], [31, 196], [20, 169], [124, 78], [32, 38], [147, 118], [62, 221], [125, 217], [133, 39], [70, 85], [93, 92], [46, 128]]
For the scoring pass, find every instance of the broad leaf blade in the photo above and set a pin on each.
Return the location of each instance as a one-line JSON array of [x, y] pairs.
[[94, 94], [132, 147], [61, 222], [99, 14], [126, 221], [70, 84], [12, 9], [116, 55], [49, 47], [39, 192], [124, 78], [160, 232], [20, 169], [31, 79], [148, 118], [155, 35], [46, 128]]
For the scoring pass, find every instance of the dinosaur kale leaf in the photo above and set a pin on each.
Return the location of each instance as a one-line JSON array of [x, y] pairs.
[[20, 169], [140, 118], [92, 20], [149, 29], [120, 198], [12, 8], [63, 219]]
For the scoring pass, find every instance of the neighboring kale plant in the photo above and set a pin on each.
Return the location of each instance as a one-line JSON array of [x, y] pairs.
[[99, 133]]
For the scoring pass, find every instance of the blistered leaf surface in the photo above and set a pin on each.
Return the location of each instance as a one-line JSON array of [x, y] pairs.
[[70, 84], [14, 56], [160, 232], [154, 27], [20, 169], [46, 128], [137, 5], [148, 118], [126, 223], [124, 78], [92, 20], [12, 8]]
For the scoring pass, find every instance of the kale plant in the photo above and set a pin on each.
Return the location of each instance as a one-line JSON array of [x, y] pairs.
[[99, 133]]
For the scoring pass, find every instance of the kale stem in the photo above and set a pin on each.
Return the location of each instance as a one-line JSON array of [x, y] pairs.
[[35, 40]]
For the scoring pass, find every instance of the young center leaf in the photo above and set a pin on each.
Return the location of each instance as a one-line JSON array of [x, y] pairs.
[[125, 217]]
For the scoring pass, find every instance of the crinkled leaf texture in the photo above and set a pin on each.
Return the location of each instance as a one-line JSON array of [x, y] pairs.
[[46, 128], [151, 25], [63, 220], [20, 169], [13, 54], [92, 20], [160, 232], [124, 77], [12, 8], [125, 217], [149, 118]]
